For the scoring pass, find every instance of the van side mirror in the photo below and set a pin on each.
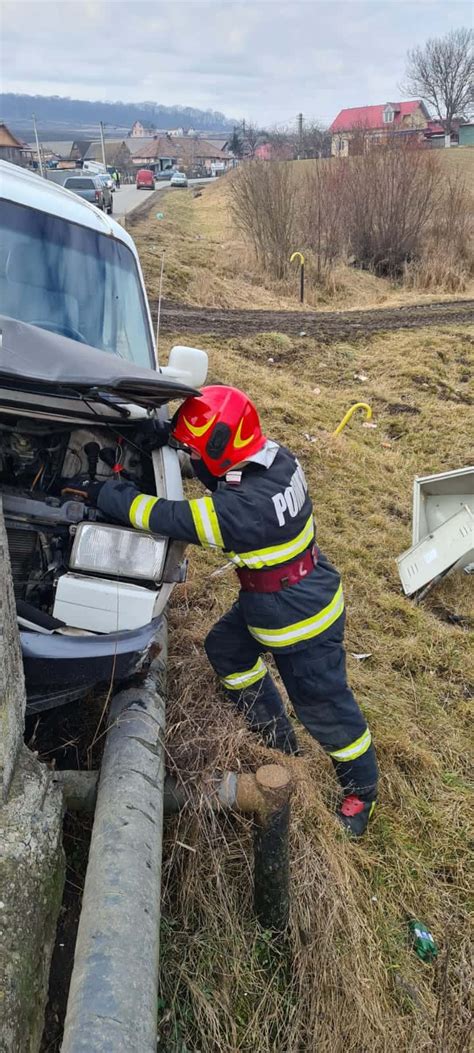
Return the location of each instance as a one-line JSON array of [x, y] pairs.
[[188, 364]]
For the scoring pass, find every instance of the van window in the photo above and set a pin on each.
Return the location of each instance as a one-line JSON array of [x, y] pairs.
[[72, 280]]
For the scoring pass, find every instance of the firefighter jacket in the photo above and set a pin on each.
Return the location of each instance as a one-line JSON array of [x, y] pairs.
[[259, 518]]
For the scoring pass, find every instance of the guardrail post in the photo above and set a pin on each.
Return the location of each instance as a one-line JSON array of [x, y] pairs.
[[271, 848]]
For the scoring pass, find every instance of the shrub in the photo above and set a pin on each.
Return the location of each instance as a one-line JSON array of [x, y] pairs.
[[390, 194], [263, 208]]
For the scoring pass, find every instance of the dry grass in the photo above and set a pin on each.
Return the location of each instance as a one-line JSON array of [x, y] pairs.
[[346, 980], [207, 262]]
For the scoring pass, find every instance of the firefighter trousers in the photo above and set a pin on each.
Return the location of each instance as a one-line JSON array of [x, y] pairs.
[[314, 676]]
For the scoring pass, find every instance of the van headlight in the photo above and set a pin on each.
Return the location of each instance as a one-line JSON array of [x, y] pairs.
[[118, 552]]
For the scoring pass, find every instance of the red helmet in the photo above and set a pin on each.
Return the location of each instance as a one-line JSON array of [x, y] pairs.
[[222, 426]]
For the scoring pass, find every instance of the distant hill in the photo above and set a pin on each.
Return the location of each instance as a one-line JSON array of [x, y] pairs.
[[54, 113]]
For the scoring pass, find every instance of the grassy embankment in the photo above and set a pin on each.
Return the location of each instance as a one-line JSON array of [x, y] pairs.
[[209, 264], [346, 981]]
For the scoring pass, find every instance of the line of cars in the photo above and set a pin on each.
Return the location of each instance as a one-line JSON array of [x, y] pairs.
[[145, 179], [95, 187]]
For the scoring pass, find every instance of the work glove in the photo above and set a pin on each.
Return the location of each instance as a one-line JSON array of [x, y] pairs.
[[80, 487], [153, 434], [93, 491], [113, 499]]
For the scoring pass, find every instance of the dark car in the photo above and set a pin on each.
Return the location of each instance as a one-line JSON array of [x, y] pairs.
[[145, 179], [108, 188], [90, 188]]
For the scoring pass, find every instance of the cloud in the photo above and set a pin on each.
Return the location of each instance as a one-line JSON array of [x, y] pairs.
[[263, 60]]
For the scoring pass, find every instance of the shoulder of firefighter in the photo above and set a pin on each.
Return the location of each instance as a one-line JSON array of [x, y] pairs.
[[260, 517]]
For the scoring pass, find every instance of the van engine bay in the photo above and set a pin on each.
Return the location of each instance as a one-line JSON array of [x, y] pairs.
[[42, 465]]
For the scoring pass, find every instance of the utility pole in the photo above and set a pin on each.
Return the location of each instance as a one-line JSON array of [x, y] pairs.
[[300, 135], [38, 151], [103, 143]]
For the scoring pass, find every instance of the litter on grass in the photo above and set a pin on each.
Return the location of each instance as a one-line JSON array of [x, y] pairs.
[[442, 534]]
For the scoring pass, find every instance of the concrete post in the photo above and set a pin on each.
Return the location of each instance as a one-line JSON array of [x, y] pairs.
[[31, 857], [12, 684]]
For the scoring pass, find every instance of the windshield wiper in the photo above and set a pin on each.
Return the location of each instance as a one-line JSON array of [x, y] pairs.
[[106, 399]]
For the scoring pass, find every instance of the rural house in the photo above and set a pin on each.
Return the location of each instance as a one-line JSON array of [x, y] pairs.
[[13, 149], [117, 152], [355, 126], [466, 133], [141, 130], [79, 149], [156, 153], [167, 150]]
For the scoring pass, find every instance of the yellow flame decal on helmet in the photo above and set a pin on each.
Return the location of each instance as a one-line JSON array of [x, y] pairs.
[[239, 442], [198, 432]]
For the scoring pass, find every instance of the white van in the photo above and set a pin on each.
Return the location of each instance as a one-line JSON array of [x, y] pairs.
[[78, 376]]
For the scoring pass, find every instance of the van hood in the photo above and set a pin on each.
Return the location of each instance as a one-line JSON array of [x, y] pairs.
[[38, 361]]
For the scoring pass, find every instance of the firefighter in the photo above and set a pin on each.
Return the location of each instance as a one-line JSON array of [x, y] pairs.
[[259, 513]]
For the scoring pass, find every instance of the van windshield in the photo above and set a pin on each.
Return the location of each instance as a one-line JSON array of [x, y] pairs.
[[72, 280]]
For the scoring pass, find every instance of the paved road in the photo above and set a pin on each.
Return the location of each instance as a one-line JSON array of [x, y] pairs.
[[128, 197]]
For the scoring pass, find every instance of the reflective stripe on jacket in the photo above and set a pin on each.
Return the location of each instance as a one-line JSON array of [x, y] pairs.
[[265, 520]]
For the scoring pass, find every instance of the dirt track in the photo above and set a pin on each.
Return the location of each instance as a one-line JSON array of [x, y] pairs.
[[326, 326]]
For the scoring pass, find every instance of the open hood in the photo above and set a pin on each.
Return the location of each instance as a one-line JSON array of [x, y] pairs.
[[36, 360]]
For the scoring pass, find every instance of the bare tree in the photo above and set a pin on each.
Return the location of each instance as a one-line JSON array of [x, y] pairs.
[[236, 145], [263, 208], [283, 144], [252, 137], [316, 141], [442, 73], [390, 195], [321, 213]]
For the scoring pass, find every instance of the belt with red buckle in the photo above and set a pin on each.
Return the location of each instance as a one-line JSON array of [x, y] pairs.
[[280, 577]]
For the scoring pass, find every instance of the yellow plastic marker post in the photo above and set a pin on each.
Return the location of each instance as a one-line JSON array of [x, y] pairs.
[[345, 420], [299, 256]]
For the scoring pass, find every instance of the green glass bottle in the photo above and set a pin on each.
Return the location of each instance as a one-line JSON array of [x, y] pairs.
[[423, 942]]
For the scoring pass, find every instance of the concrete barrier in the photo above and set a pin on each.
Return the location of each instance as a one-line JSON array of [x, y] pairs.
[[31, 855]]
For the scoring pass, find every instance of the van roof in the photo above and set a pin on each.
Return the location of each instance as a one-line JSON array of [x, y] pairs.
[[27, 188]]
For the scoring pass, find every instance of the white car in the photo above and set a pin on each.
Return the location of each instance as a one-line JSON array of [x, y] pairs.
[[78, 377], [179, 179]]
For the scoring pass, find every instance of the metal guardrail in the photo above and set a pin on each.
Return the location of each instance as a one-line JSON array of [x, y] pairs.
[[112, 1004]]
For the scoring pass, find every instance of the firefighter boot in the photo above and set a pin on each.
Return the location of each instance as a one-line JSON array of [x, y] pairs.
[[354, 814], [265, 713], [358, 779]]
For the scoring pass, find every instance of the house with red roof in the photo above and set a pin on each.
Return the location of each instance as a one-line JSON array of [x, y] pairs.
[[353, 127]]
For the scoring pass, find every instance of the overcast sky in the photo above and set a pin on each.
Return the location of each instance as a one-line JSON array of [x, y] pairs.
[[261, 60]]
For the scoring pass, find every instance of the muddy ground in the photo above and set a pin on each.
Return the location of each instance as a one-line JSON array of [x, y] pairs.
[[326, 326]]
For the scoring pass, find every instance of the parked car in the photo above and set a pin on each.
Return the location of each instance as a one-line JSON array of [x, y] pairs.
[[106, 180], [91, 189], [199, 172], [179, 179], [165, 173], [145, 179], [77, 379]]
